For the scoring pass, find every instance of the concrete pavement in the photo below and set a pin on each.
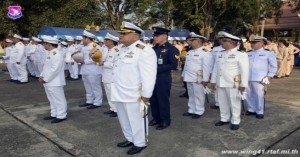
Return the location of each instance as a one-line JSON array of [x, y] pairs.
[[91, 133]]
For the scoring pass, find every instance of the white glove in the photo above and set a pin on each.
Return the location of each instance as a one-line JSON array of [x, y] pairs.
[[143, 106], [242, 96], [265, 80], [207, 90]]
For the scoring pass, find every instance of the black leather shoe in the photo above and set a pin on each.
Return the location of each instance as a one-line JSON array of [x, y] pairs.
[[22, 82], [73, 79], [248, 113], [234, 126], [259, 116], [287, 75], [109, 112], [187, 114], [93, 107], [153, 122], [85, 105], [162, 126], [49, 118], [214, 107], [135, 150], [57, 120], [184, 95], [220, 123], [114, 114], [196, 116], [125, 144]]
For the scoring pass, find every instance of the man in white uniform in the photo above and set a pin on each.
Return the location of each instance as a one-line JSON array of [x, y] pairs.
[[72, 65], [230, 75], [196, 73], [54, 81], [263, 67], [91, 72], [111, 42], [20, 59], [29, 61], [9, 60], [215, 51], [134, 75]]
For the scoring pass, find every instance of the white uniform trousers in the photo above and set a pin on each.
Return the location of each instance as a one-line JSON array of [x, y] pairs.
[[230, 104], [38, 67], [132, 122], [13, 72], [73, 69], [57, 99], [196, 98], [216, 98], [255, 97], [22, 71], [107, 89], [93, 89], [30, 67]]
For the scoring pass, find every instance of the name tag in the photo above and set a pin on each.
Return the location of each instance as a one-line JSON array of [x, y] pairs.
[[159, 61], [196, 55], [261, 55], [128, 56], [231, 57]]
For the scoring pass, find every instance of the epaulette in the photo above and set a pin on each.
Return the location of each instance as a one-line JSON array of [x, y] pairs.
[[267, 49], [140, 46], [249, 50], [54, 52], [205, 50], [116, 49]]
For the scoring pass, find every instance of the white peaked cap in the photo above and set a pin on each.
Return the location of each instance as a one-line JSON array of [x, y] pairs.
[[36, 39], [8, 41], [111, 37], [17, 36], [196, 36], [49, 39], [100, 39], [230, 36], [79, 37], [88, 34], [69, 38], [128, 27]]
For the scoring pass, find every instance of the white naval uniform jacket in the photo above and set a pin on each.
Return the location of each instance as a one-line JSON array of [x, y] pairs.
[[197, 60], [40, 54], [262, 63], [215, 51], [108, 65], [69, 51], [89, 67], [53, 70], [8, 51], [228, 65], [20, 50], [135, 64]]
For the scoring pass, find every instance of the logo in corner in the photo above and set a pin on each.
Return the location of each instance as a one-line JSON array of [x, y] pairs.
[[14, 12]]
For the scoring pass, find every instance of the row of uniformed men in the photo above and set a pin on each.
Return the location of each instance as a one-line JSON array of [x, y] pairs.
[[129, 83], [235, 75], [34, 57]]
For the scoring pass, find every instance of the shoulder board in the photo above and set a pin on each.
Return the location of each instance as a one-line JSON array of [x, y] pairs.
[[140, 46], [249, 50], [116, 49], [205, 50], [267, 49]]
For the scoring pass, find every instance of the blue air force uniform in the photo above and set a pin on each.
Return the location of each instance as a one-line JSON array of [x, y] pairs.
[[262, 63], [167, 60]]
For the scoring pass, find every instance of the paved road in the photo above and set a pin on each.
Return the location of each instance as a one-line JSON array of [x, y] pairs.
[[91, 133]]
